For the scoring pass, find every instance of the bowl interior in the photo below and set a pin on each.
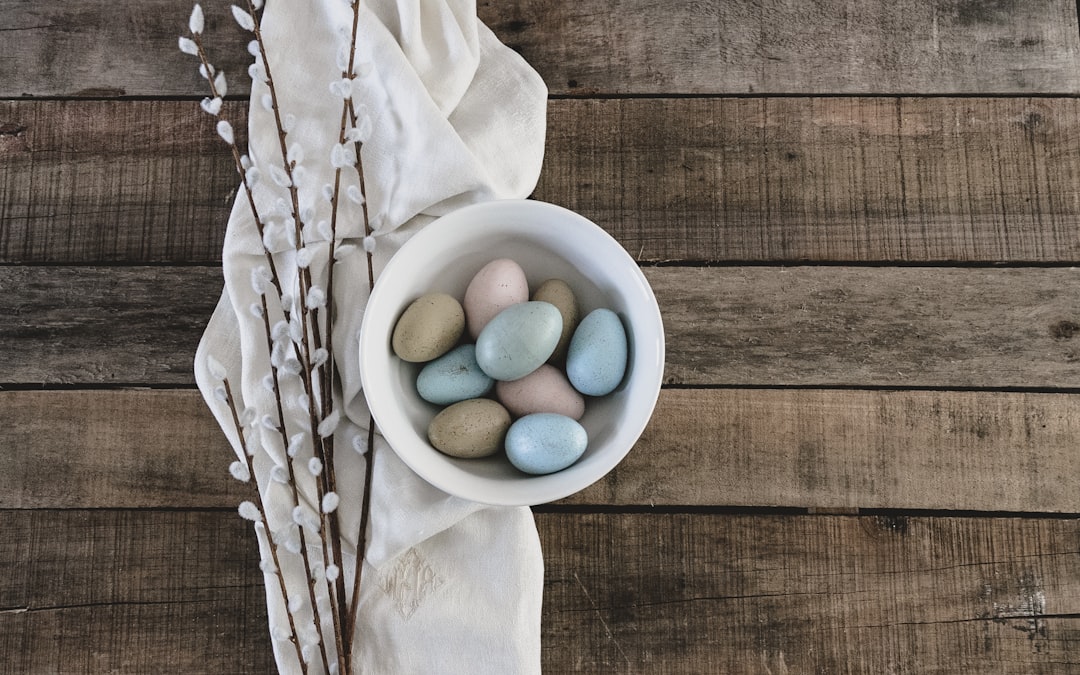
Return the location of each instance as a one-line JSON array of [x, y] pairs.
[[547, 241]]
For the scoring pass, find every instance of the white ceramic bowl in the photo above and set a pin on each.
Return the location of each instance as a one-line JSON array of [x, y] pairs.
[[547, 241]]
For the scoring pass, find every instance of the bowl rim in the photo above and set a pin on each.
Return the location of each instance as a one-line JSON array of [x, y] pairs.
[[541, 489]]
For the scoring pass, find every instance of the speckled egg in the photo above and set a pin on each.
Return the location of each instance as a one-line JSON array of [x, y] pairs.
[[518, 340], [546, 389], [428, 328], [559, 293], [545, 443], [596, 360], [470, 429], [454, 376], [497, 285]]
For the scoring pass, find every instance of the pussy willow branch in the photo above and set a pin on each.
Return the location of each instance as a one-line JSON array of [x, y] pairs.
[[197, 38], [310, 582], [293, 637], [309, 341]]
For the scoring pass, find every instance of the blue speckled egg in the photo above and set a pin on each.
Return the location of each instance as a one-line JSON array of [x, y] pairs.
[[454, 376], [545, 443], [596, 360], [518, 340]]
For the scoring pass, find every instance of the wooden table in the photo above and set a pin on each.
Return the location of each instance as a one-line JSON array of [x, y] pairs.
[[860, 219]]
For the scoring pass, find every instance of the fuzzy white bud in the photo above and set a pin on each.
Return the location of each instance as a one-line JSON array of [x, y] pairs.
[[257, 72], [267, 102], [319, 357], [296, 601], [214, 367], [330, 424], [369, 244], [268, 383], [211, 106], [295, 443], [288, 122], [267, 567], [225, 130], [304, 256], [188, 46], [248, 511], [355, 194], [244, 19], [239, 471], [253, 176], [247, 416], [363, 128], [280, 178], [206, 70], [221, 395], [296, 153], [330, 502], [332, 573], [253, 48], [316, 297], [344, 251], [291, 367], [326, 231], [315, 466], [196, 22], [268, 423], [328, 192], [281, 634], [279, 474], [220, 84]]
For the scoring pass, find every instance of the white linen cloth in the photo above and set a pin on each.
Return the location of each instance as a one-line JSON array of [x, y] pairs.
[[448, 586]]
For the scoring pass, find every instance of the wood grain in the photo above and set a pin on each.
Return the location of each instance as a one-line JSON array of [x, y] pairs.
[[97, 48], [809, 326], [977, 451], [665, 593], [818, 179]]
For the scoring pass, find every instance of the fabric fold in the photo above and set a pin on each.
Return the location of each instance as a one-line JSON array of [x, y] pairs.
[[449, 586]]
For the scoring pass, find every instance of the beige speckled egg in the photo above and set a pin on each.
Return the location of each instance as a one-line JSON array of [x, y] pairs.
[[428, 328], [469, 429], [545, 390], [559, 293], [497, 285]]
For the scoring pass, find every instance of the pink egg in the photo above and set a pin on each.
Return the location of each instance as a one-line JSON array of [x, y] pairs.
[[546, 389], [497, 285]]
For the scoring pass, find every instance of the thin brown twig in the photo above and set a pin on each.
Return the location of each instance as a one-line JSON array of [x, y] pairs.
[[293, 637], [310, 583], [310, 337]]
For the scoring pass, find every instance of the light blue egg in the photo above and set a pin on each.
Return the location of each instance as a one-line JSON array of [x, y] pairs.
[[454, 376], [545, 443], [518, 340], [596, 360]]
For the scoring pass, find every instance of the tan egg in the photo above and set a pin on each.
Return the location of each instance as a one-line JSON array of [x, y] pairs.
[[559, 293], [497, 285], [545, 390], [428, 328], [470, 429]]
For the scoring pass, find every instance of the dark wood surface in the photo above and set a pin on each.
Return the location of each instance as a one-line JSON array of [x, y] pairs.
[[862, 222]]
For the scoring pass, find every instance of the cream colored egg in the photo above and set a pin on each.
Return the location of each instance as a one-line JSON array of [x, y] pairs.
[[497, 285], [428, 328], [470, 429], [558, 293], [545, 390]]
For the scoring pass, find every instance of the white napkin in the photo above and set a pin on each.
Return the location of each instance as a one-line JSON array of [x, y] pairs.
[[448, 586]]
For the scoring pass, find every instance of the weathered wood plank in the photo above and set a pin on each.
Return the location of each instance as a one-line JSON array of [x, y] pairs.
[[130, 592], [100, 48], [822, 179], [813, 326], [982, 451], [671, 593]]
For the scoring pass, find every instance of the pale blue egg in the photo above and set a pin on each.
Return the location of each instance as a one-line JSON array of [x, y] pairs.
[[454, 376], [518, 340], [545, 443], [596, 360]]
